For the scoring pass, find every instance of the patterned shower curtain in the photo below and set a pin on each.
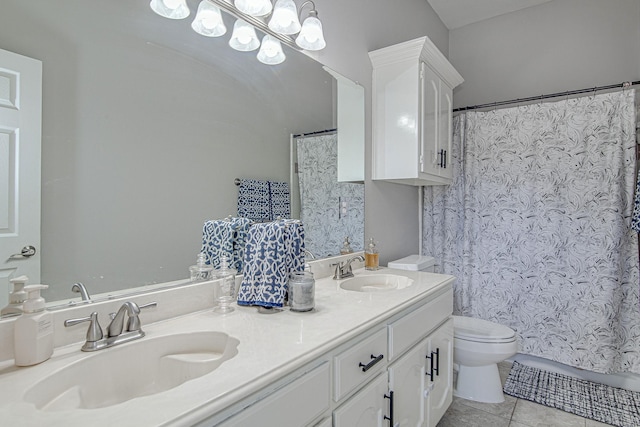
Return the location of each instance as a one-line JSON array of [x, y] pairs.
[[321, 195], [536, 228]]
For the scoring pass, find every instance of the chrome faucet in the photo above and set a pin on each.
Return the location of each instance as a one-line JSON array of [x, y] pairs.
[[80, 288], [343, 270], [115, 331]]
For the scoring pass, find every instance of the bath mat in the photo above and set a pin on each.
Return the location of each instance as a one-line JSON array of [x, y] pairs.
[[587, 399]]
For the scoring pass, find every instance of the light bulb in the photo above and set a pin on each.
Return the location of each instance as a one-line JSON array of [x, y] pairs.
[[208, 20], [285, 18], [172, 9], [244, 37], [271, 51], [254, 7], [311, 37]]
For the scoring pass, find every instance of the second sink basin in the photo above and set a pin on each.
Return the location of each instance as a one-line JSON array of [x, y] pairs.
[[376, 283], [147, 366]]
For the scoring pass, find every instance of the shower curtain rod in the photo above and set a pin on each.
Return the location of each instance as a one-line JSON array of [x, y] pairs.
[[320, 132], [623, 85]]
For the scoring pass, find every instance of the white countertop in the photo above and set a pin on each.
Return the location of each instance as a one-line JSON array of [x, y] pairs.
[[271, 346]]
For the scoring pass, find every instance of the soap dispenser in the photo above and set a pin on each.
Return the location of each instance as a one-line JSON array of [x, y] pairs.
[[371, 256], [201, 271], [33, 330], [17, 296]]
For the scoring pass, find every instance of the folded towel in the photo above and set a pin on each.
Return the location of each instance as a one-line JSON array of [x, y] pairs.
[[240, 227], [280, 204], [263, 201], [254, 200], [273, 250], [217, 240]]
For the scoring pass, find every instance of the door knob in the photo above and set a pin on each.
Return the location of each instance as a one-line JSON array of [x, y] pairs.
[[26, 252]]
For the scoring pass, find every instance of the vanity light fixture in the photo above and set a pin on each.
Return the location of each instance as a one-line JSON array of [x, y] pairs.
[[172, 9], [282, 26], [285, 18], [271, 51], [208, 20], [254, 7], [244, 37]]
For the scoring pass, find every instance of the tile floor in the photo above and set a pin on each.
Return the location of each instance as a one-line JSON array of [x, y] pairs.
[[511, 413]]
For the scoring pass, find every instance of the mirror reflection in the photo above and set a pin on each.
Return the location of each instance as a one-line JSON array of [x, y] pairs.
[[145, 127]]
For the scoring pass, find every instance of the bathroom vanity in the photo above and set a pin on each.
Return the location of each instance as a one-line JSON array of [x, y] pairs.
[[373, 349]]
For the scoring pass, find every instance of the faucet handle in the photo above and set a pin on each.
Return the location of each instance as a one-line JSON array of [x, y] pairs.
[[94, 333], [133, 324]]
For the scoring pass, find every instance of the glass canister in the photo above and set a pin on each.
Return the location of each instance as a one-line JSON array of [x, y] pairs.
[[302, 288]]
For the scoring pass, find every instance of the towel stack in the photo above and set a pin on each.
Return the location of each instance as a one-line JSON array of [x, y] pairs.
[[263, 201], [225, 237], [273, 250]]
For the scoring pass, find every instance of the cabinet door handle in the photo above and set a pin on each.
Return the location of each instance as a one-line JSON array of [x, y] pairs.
[[437, 368], [429, 373], [374, 360], [444, 161], [440, 157], [390, 417]]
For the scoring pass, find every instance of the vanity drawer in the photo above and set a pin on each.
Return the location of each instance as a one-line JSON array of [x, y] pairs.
[[361, 362], [407, 331]]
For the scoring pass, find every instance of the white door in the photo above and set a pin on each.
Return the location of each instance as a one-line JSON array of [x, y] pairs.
[[20, 135]]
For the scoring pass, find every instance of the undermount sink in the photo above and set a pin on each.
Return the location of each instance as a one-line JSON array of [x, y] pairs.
[[376, 283], [141, 368]]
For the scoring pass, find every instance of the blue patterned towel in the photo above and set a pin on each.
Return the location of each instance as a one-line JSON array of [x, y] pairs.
[[263, 201], [273, 250], [240, 227], [225, 237], [217, 240]]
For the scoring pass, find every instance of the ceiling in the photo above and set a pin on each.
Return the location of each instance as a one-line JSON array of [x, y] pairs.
[[458, 13]]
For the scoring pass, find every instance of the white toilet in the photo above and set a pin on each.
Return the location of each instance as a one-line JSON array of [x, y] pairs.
[[478, 347]]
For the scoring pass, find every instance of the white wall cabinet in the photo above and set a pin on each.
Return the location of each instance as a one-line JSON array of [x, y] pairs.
[[412, 97]]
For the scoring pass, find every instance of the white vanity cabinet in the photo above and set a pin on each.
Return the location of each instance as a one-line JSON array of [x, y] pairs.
[[412, 96], [422, 380]]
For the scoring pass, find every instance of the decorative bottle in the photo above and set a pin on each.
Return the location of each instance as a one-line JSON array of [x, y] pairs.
[[33, 330], [201, 272], [346, 247], [227, 293], [371, 256]]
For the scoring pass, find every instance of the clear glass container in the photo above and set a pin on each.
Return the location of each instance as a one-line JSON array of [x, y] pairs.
[[302, 288], [228, 292], [201, 271]]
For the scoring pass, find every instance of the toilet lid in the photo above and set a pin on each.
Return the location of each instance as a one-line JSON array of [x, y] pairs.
[[470, 329]]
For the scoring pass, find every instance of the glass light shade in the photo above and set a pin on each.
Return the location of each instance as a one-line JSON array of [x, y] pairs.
[[254, 7], [285, 18], [172, 9], [271, 51], [208, 20], [311, 37], [244, 37]]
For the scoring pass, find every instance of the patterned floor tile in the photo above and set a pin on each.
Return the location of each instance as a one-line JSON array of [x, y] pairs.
[[535, 415], [459, 415]]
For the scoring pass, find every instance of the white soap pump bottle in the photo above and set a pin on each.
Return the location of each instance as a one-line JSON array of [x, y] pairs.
[[17, 296], [33, 330]]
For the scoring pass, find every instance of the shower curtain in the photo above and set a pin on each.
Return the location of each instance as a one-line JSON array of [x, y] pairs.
[[536, 228], [321, 196]]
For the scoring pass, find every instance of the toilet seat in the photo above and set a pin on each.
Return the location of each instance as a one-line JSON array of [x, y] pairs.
[[479, 330]]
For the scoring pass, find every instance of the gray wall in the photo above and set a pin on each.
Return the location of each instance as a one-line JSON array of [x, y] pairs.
[[352, 29], [557, 46]]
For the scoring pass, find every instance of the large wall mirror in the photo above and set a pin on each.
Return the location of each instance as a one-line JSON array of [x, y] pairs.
[[145, 126]]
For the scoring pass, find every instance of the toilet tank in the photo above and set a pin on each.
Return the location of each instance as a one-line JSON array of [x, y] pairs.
[[414, 263]]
